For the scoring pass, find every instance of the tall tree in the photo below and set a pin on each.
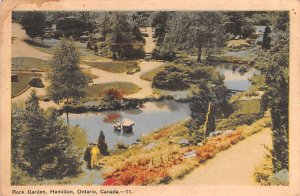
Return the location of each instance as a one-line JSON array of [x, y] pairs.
[[202, 30], [120, 33], [34, 24], [44, 147], [66, 79], [209, 125], [35, 134], [159, 22], [266, 43], [275, 63], [58, 157], [102, 144]]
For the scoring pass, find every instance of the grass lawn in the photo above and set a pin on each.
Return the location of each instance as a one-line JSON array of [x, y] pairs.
[[148, 76], [28, 63], [113, 66], [246, 112], [23, 84], [49, 46], [98, 90]]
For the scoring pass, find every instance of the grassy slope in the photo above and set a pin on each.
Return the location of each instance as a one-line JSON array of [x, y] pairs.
[[99, 89], [114, 66], [27, 64], [165, 162], [148, 76], [23, 84], [50, 48]]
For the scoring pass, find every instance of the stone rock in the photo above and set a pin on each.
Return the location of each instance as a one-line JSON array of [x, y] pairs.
[[280, 178]]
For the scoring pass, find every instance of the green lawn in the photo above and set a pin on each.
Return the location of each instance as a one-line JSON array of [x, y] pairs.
[[28, 63], [246, 112], [23, 84], [98, 90], [49, 46], [113, 66], [148, 76]]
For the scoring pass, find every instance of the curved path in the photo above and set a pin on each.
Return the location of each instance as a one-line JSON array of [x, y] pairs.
[[235, 166], [21, 48], [146, 89]]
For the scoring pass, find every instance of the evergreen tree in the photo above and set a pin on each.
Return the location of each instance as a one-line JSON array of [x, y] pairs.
[[35, 134], [17, 136], [102, 144], [209, 125], [47, 144], [34, 23], [275, 63], [58, 158], [66, 79], [266, 43]]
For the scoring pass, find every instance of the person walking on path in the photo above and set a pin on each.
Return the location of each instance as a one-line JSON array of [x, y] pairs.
[[87, 156]]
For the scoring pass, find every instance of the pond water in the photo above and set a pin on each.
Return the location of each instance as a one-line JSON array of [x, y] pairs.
[[152, 116], [235, 79]]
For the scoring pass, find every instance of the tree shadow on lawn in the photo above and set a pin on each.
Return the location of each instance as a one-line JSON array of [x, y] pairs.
[[35, 43]]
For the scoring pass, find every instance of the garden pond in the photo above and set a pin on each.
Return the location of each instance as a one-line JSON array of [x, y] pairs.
[[152, 115]]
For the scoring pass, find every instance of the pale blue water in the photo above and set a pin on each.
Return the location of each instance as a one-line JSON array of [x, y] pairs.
[[152, 116], [234, 79]]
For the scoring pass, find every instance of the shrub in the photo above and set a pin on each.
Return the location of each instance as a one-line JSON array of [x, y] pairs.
[[164, 55], [36, 82], [264, 171], [171, 78], [113, 94], [72, 26]]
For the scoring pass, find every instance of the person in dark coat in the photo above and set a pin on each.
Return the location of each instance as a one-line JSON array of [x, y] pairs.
[[87, 156]]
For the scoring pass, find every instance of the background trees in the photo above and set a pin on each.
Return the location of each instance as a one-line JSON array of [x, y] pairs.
[[66, 79], [34, 24], [200, 30], [121, 34], [238, 24]]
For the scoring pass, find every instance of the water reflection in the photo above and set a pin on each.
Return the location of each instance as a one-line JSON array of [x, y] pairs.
[[152, 116], [235, 79]]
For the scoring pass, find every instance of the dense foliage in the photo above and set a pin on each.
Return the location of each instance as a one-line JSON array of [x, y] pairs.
[[120, 33], [206, 85], [194, 30], [275, 62], [172, 78], [66, 79], [75, 27], [34, 24], [238, 25], [41, 145]]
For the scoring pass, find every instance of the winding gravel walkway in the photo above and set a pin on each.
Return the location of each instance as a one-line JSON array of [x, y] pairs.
[[235, 166]]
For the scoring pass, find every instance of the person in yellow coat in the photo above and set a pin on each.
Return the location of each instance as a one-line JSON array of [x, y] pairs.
[[95, 154]]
